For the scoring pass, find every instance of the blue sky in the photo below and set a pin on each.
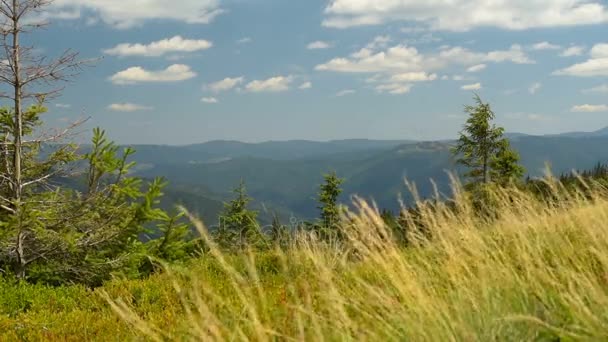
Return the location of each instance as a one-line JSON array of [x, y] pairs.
[[188, 71]]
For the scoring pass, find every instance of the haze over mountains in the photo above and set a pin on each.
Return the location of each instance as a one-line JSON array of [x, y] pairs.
[[283, 176]]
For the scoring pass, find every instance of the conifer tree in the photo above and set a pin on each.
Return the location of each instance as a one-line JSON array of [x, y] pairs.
[[483, 149], [505, 165], [329, 192], [238, 226]]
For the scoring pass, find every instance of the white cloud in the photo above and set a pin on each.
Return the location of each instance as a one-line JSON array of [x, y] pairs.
[[534, 88], [463, 15], [527, 116], [128, 107], [399, 83], [475, 86], [226, 84], [317, 45], [397, 58], [601, 89], [597, 65], [244, 40], [209, 100], [413, 77], [403, 58], [587, 108], [345, 92], [63, 105], [273, 84], [600, 51], [462, 78], [515, 54], [401, 65], [305, 85], [133, 75], [573, 51], [159, 48], [477, 68], [394, 88], [545, 46], [124, 14], [379, 42]]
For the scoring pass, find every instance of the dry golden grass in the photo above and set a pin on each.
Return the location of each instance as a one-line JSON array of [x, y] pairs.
[[537, 272]]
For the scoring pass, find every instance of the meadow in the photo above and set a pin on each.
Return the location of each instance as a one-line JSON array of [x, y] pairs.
[[534, 271]]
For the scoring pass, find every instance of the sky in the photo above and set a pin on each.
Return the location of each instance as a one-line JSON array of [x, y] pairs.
[[189, 71]]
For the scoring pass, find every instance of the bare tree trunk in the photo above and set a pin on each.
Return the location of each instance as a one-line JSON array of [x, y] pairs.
[[17, 140], [20, 266], [18, 133]]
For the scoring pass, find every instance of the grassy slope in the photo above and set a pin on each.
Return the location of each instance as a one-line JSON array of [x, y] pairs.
[[538, 273]]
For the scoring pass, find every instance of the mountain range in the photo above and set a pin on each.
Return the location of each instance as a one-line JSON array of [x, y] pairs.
[[283, 177]]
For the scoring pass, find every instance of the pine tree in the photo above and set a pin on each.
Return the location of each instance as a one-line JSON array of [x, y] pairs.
[[238, 227], [505, 165], [329, 192], [483, 149]]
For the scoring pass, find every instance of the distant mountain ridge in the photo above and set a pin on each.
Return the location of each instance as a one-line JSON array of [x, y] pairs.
[[284, 176]]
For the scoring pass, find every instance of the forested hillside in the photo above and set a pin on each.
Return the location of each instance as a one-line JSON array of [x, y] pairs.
[[289, 185]]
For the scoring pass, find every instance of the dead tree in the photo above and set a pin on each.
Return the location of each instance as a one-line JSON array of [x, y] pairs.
[[28, 79]]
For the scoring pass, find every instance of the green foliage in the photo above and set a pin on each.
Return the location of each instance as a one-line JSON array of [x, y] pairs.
[[484, 150], [330, 210], [176, 242], [238, 226], [505, 167], [65, 235]]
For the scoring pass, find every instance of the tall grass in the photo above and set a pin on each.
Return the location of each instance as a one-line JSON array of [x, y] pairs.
[[536, 271]]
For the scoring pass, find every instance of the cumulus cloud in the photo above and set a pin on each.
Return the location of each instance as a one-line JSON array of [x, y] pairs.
[[399, 83], [273, 84], [133, 75], [596, 65], [159, 48], [345, 92], [305, 85], [397, 58], [475, 86], [244, 40], [463, 15], [209, 100], [226, 84], [534, 88], [401, 65], [601, 89], [460, 55], [587, 108], [573, 51], [527, 116], [413, 77], [403, 58], [545, 46], [125, 14], [379, 42], [128, 107], [317, 45], [394, 88], [462, 78], [477, 68]]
